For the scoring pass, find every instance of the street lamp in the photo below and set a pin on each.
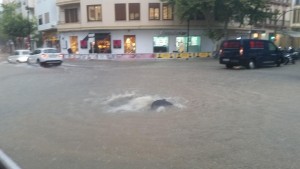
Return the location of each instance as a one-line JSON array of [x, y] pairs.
[[188, 34]]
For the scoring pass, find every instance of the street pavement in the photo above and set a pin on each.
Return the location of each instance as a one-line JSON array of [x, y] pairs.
[[3, 56], [96, 114]]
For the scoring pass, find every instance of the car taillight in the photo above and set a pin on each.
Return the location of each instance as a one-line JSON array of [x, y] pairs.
[[44, 56], [241, 51]]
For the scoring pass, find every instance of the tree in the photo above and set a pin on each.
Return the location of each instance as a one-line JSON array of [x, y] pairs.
[[14, 24], [221, 11]]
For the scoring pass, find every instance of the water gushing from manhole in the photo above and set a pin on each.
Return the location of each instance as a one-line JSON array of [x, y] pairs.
[[132, 102]]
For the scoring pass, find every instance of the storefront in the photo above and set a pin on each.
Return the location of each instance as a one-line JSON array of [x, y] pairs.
[[160, 44], [102, 43], [134, 41], [51, 39], [191, 44], [130, 44]]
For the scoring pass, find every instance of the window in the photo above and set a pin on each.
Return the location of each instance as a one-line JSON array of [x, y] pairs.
[[40, 19], [272, 47], [134, 11], [160, 44], [47, 19], [74, 43], [120, 12], [256, 44], [71, 15], [296, 18], [129, 44], [50, 51], [94, 12], [194, 44], [103, 42], [167, 11], [231, 45], [37, 52], [188, 44], [154, 11]]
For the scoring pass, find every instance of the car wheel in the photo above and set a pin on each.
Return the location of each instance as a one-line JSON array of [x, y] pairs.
[[28, 61], [278, 63], [42, 64], [251, 64], [229, 66]]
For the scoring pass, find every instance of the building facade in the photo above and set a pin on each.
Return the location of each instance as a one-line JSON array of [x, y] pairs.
[[136, 26], [139, 26], [295, 24], [46, 13], [275, 27]]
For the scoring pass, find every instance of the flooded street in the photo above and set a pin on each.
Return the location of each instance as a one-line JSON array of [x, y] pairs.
[[94, 114]]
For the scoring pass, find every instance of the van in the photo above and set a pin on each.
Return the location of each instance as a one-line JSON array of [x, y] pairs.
[[251, 53]]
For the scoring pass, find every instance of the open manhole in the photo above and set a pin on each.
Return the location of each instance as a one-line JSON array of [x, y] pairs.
[[132, 102]]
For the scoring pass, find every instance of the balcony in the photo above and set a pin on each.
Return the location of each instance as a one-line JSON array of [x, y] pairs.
[[66, 2], [69, 26]]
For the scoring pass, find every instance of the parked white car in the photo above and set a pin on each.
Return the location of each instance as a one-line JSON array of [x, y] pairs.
[[46, 56], [19, 56]]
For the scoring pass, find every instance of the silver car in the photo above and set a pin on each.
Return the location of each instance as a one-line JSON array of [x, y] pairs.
[[19, 56], [45, 57]]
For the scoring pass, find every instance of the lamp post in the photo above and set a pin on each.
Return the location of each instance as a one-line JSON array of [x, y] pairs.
[[188, 34]]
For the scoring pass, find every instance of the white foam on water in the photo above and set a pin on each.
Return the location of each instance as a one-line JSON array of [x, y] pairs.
[[134, 105], [132, 102]]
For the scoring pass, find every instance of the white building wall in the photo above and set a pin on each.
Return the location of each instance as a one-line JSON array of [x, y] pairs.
[[43, 7], [143, 29]]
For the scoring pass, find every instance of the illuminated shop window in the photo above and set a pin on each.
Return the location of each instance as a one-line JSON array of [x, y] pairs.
[[74, 43], [160, 44], [129, 44], [194, 44], [102, 43]]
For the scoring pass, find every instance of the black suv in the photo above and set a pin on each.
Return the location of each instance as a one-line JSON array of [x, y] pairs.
[[251, 53]]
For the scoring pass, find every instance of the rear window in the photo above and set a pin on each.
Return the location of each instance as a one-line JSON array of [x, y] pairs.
[[50, 51], [256, 44], [231, 45]]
